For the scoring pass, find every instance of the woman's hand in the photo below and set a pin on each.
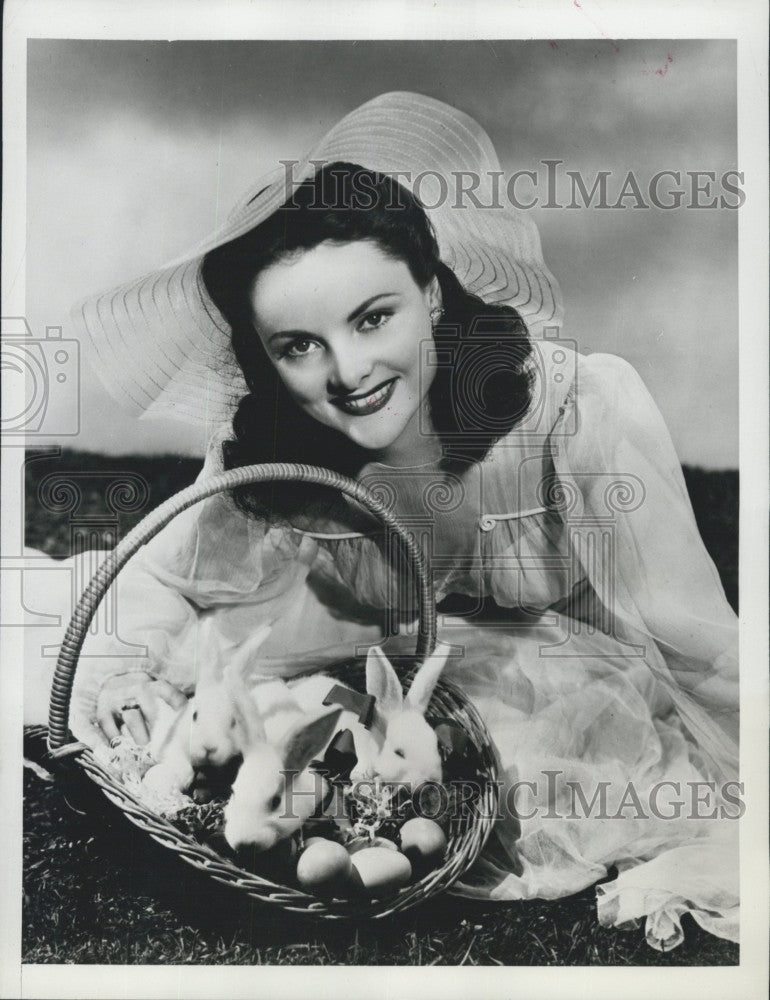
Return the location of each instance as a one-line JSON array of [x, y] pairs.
[[132, 700]]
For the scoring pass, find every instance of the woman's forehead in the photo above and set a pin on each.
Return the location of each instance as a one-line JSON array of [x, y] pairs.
[[328, 281]]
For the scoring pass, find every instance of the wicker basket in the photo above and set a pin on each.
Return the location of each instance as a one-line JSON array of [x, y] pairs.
[[468, 832]]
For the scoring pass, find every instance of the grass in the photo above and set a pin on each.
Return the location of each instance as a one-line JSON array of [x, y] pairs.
[[96, 890]]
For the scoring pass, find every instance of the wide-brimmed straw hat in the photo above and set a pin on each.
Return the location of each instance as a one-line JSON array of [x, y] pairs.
[[162, 348]]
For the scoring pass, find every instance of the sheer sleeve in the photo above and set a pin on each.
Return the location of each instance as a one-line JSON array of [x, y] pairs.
[[656, 585], [213, 554], [210, 556]]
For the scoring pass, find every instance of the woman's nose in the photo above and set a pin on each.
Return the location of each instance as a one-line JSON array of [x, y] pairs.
[[350, 366]]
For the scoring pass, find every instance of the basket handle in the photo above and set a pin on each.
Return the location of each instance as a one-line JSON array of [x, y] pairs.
[[61, 689]]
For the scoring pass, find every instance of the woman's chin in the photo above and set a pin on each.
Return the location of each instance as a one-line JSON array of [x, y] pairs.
[[372, 434]]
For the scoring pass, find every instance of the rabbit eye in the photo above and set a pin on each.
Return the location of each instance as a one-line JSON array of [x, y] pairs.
[[275, 802], [399, 753], [195, 715]]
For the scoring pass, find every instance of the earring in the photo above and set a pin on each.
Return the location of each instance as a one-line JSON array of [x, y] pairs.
[[435, 315]]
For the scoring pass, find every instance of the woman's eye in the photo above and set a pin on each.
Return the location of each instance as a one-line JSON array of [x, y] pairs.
[[399, 753], [373, 320], [300, 348]]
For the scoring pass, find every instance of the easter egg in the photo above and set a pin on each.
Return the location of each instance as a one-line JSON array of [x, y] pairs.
[[378, 871], [324, 867], [423, 842]]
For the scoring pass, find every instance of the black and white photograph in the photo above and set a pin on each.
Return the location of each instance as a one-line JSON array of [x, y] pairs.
[[384, 536]]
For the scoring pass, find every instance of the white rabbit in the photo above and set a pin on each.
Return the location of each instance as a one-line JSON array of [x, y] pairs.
[[311, 692], [275, 792], [409, 752], [207, 731]]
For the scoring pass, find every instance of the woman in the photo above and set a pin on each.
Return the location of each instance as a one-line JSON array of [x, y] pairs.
[[597, 641]]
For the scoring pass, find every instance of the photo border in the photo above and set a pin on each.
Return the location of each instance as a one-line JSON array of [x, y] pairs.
[[424, 19]]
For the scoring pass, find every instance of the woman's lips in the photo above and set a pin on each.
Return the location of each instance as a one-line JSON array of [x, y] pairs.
[[362, 406]]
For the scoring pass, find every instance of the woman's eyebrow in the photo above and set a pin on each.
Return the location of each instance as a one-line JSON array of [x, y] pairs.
[[365, 305], [349, 319]]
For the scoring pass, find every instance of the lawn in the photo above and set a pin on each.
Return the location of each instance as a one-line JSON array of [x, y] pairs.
[[96, 890]]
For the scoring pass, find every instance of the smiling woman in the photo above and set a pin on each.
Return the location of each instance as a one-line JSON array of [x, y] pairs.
[[350, 301]]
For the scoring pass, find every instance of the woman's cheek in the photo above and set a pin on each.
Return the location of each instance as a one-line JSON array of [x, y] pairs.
[[304, 389]]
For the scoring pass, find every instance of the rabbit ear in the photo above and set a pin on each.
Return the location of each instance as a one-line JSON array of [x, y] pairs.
[[208, 648], [382, 681], [244, 706], [307, 739], [426, 679], [242, 653]]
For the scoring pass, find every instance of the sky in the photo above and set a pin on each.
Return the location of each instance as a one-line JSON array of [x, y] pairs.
[[137, 149]]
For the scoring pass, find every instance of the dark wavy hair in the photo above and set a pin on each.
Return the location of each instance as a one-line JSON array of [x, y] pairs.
[[482, 385]]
